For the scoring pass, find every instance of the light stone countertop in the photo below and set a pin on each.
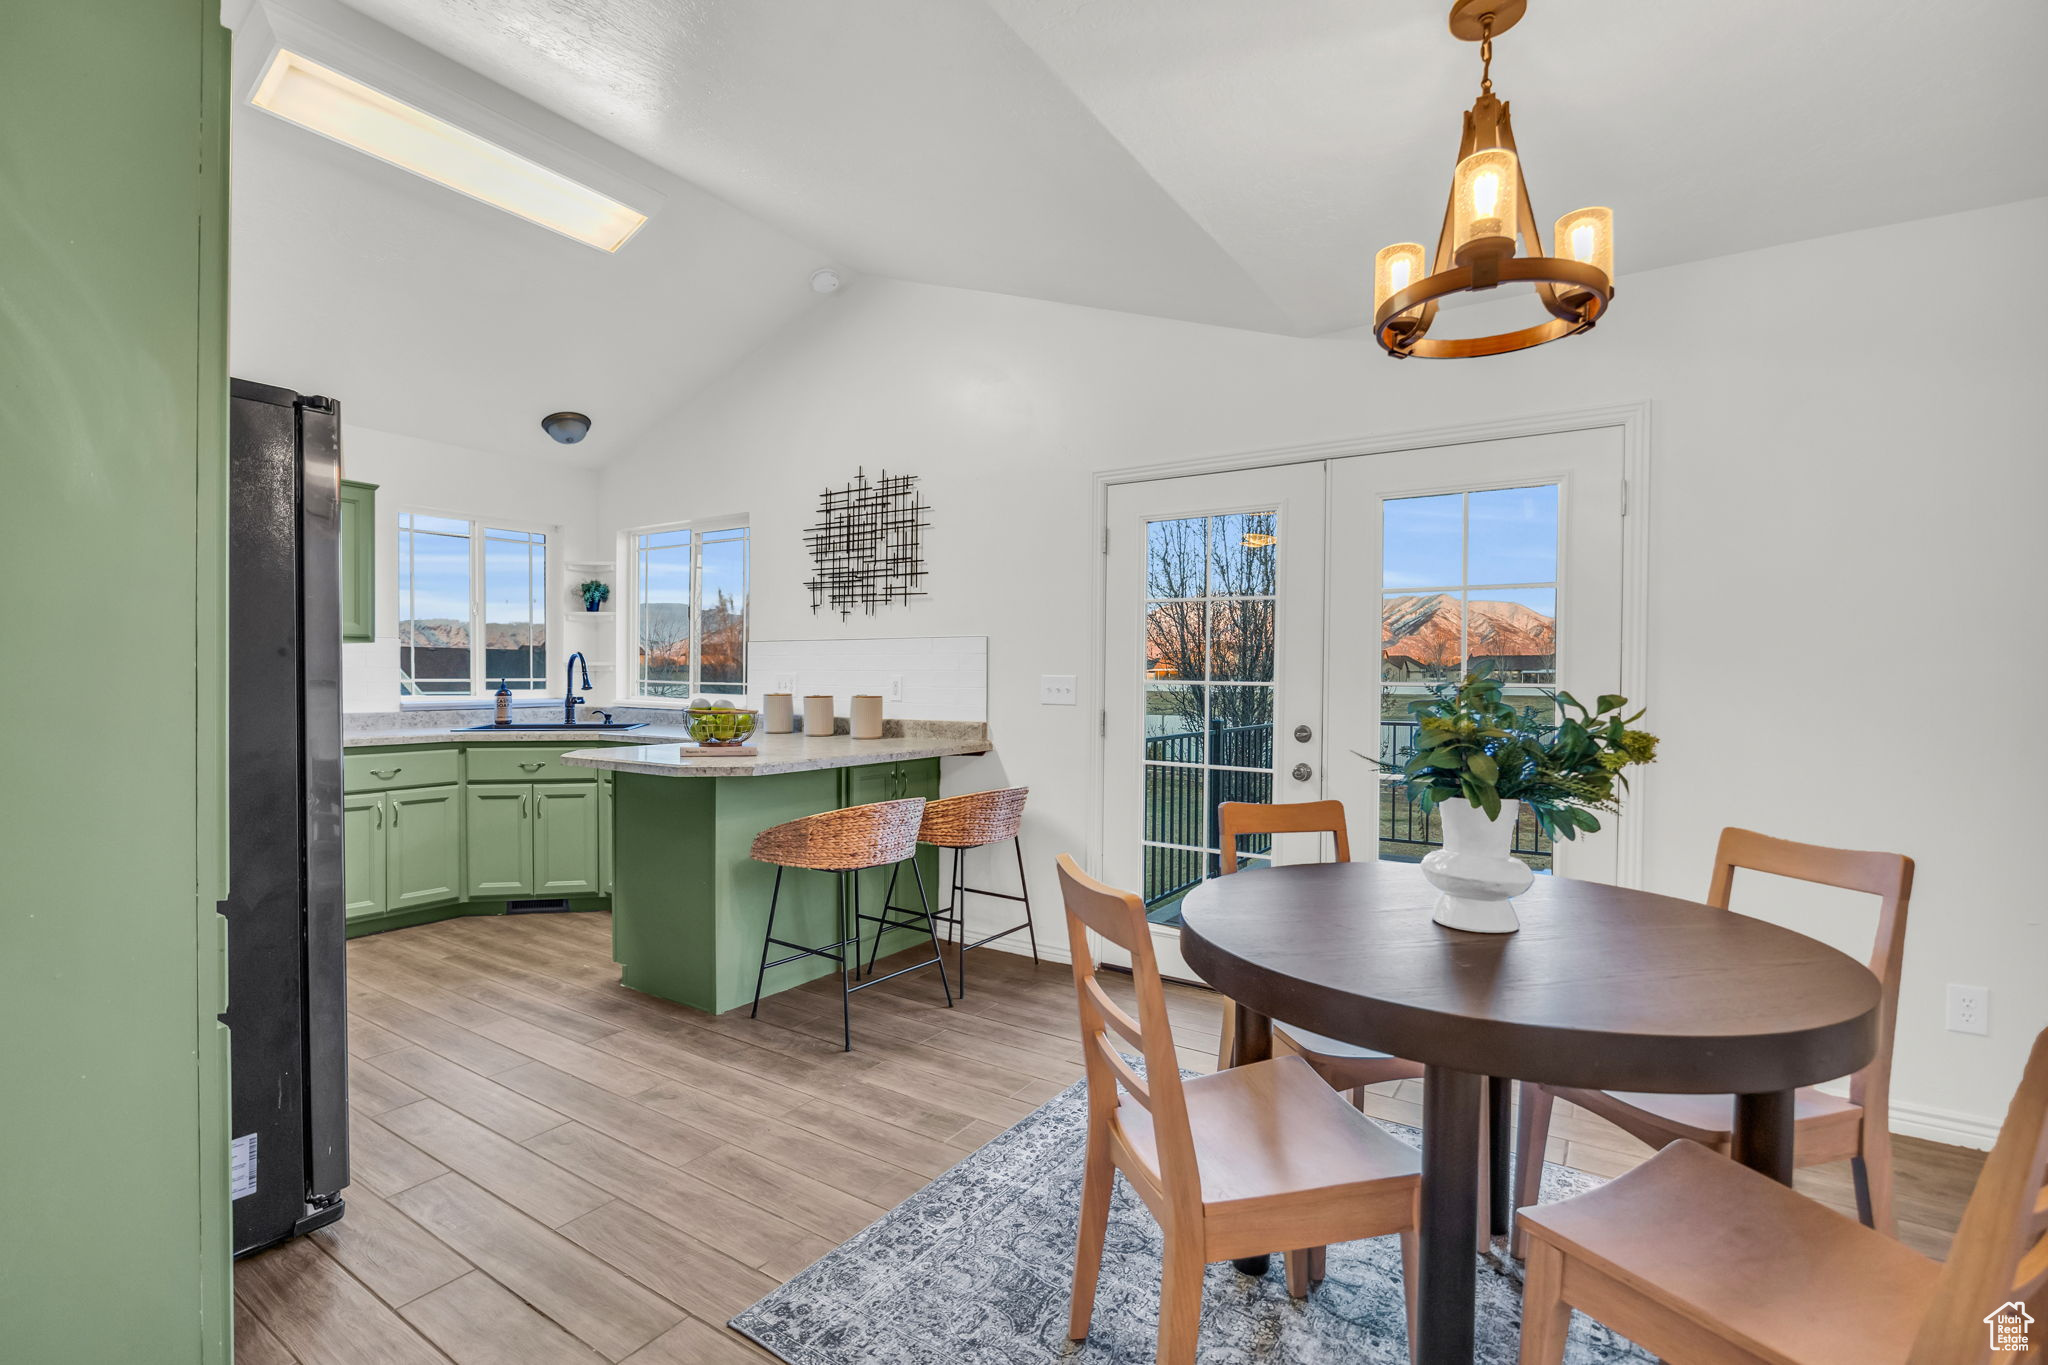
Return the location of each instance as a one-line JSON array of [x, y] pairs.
[[371, 739], [779, 754]]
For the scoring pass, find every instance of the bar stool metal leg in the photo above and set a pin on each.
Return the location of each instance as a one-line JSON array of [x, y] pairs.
[[767, 938], [931, 926], [1024, 887], [849, 937]]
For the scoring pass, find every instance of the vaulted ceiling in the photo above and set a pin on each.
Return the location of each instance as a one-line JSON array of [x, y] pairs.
[[1211, 160]]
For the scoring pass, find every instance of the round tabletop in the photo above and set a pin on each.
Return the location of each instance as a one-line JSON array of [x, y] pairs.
[[1602, 988]]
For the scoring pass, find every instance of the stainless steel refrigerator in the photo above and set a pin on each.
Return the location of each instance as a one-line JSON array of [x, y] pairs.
[[287, 1000]]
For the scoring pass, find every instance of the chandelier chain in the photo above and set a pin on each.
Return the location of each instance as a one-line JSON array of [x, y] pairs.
[[1486, 54]]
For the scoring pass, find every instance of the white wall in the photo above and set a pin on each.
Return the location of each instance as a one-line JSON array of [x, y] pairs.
[[1846, 633], [419, 475]]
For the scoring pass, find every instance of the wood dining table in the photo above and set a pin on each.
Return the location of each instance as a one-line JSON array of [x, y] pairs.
[[1603, 987]]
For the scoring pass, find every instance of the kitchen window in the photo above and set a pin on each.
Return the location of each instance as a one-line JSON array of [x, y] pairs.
[[464, 583], [689, 611]]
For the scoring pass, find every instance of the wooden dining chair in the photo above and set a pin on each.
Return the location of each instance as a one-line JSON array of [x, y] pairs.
[[1345, 1066], [1699, 1259], [1825, 1127], [1240, 1163]]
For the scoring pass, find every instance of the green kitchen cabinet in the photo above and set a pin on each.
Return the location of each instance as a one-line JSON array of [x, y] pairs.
[[363, 858], [498, 823], [358, 561], [423, 847], [893, 782], [565, 839], [604, 832]]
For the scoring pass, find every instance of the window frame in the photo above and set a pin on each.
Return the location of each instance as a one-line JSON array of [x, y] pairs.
[[630, 693], [480, 526]]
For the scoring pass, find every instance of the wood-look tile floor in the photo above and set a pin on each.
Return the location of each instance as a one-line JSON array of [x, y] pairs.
[[552, 1168]]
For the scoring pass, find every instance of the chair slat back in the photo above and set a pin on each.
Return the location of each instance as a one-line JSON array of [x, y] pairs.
[[1888, 876], [1238, 818], [1119, 917], [2000, 1254]]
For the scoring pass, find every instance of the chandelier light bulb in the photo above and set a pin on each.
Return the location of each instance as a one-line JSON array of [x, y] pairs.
[[1394, 269], [1484, 204], [1587, 236]]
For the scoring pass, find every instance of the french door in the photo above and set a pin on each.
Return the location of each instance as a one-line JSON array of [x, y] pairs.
[[1267, 629], [1214, 665]]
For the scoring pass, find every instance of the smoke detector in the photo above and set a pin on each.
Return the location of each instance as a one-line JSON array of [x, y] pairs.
[[825, 281]]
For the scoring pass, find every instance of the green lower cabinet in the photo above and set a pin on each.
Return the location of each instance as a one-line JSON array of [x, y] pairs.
[[565, 839], [423, 847], [363, 860], [893, 782], [499, 820]]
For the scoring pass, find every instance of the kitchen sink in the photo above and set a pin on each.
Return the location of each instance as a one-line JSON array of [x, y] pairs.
[[559, 727]]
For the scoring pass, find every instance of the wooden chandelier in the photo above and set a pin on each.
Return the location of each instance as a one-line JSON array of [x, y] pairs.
[[1488, 211]]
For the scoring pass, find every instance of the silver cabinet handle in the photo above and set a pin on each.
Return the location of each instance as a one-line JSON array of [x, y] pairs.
[[532, 767], [379, 808], [1302, 772], [540, 808], [385, 774], [522, 808], [394, 815]]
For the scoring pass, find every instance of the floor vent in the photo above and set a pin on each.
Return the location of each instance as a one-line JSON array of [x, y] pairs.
[[555, 906]]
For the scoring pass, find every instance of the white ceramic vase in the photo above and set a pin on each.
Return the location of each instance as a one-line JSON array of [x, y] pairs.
[[1475, 871]]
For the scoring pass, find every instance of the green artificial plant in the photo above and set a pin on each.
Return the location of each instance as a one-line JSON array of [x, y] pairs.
[[596, 592], [1472, 744]]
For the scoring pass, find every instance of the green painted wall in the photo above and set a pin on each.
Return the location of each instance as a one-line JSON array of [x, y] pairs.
[[113, 258]]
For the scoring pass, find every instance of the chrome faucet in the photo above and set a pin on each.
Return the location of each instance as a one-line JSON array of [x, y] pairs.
[[571, 700]]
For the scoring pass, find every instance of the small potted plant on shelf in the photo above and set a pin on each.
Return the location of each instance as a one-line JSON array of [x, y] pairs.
[[596, 592], [1479, 759]]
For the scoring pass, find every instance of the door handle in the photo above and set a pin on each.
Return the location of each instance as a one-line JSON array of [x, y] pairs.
[[1303, 733], [385, 774], [1302, 772]]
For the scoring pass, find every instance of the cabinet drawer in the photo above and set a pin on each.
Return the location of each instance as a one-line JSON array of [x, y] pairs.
[[526, 763], [377, 770]]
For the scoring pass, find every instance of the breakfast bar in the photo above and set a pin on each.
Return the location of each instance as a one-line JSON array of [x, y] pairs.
[[689, 905]]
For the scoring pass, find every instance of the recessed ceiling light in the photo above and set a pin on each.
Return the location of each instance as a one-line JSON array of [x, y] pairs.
[[351, 113]]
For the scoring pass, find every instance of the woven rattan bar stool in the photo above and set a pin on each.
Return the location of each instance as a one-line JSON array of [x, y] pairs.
[[960, 823], [845, 842]]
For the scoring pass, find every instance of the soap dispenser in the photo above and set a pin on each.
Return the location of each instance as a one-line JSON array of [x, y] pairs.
[[504, 698]]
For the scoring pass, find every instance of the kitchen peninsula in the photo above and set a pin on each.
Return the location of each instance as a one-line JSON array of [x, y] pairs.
[[689, 906]]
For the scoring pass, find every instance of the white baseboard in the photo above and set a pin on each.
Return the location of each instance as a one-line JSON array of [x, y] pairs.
[[1944, 1125], [1926, 1121]]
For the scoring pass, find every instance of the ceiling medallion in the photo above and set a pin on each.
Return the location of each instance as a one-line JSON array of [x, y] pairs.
[[1489, 208]]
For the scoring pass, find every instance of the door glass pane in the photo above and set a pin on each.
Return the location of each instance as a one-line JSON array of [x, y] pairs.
[[433, 606], [1176, 723], [663, 611], [1244, 554], [722, 612], [515, 610], [1176, 563], [1241, 639], [1469, 581], [1176, 640], [1422, 638], [1210, 635], [1425, 542]]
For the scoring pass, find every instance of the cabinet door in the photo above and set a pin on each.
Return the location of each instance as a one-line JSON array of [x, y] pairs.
[[423, 849], [362, 854], [565, 818], [358, 560], [498, 836]]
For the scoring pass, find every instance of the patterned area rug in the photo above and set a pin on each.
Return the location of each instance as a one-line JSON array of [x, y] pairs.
[[975, 1269]]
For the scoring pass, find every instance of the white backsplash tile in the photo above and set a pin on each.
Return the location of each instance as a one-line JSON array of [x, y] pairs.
[[943, 677]]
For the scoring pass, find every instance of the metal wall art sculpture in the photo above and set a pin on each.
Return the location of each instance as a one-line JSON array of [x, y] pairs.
[[867, 547]]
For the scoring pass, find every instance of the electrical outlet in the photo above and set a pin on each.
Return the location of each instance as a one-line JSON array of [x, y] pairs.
[[1056, 689], [1969, 1009], [894, 690]]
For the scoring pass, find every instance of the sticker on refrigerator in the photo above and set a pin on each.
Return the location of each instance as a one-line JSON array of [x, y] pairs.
[[242, 1166]]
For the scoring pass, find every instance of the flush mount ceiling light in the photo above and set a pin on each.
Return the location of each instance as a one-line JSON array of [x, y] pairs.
[[566, 427], [1488, 210], [351, 113]]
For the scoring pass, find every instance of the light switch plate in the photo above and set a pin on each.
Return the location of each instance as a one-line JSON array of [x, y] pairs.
[[894, 689], [1056, 689], [784, 682]]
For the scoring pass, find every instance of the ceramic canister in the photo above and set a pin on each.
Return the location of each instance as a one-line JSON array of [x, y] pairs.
[[818, 716], [778, 713], [867, 717]]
